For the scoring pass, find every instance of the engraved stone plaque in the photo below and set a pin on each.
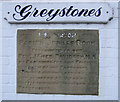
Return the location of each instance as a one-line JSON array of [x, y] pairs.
[[58, 61]]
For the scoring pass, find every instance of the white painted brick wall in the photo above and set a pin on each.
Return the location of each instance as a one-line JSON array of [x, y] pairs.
[[108, 67]]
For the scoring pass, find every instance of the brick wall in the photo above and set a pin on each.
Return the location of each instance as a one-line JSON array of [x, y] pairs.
[[108, 67]]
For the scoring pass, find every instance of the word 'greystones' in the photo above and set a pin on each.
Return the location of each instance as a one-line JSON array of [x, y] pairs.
[[28, 11]]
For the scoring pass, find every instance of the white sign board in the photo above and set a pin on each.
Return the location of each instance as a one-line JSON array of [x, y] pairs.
[[58, 13]]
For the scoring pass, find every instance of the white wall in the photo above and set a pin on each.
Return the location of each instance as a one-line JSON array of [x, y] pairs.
[[108, 60]]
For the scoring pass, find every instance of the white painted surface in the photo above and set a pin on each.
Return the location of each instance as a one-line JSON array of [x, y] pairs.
[[108, 67], [0, 52]]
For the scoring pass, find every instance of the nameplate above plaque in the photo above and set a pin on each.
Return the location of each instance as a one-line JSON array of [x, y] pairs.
[[58, 12]]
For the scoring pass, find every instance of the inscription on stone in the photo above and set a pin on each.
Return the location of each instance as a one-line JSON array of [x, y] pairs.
[[58, 61]]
